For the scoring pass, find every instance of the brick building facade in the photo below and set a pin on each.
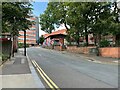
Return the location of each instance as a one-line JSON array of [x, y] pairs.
[[32, 35]]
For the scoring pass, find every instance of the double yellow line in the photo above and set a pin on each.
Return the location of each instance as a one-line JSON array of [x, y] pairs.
[[49, 82]]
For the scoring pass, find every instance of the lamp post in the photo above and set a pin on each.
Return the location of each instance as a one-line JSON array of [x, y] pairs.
[[24, 42]]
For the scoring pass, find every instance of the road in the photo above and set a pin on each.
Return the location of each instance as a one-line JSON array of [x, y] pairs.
[[70, 71]]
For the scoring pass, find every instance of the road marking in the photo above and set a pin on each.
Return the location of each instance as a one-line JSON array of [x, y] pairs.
[[97, 61], [39, 54], [34, 63], [45, 77], [46, 80], [22, 61], [115, 61]]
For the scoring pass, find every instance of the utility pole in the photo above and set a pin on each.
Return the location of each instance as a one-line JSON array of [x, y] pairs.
[[24, 42]]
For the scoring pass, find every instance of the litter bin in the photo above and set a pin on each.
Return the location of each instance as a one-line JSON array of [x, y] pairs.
[[94, 51]]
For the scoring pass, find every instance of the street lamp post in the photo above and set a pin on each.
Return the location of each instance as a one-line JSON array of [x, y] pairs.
[[24, 42]]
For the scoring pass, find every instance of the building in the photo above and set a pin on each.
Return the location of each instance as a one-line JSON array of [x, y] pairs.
[[56, 39], [32, 35], [59, 37]]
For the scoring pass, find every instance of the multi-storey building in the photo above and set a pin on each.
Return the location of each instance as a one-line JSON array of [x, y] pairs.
[[32, 35]]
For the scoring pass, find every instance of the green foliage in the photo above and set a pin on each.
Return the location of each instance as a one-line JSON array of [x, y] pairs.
[[104, 43], [3, 57], [54, 15], [83, 18], [41, 40], [14, 16], [46, 22], [21, 45]]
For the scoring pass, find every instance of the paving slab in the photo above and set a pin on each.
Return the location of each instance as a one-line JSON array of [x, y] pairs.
[[18, 73], [18, 81]]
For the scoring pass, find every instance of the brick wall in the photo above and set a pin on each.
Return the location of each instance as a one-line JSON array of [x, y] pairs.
[[57, 47], [84, 50], [113, 52]]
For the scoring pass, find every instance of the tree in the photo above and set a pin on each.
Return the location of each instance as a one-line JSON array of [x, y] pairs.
[[46, 22], [100, 20], [79, 19], [55, 14], [17, 19], [41, 40], [115, 24], [14, 19], [84, 18]]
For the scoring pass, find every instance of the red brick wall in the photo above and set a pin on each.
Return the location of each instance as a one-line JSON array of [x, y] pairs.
[[57, 48], [71, 48], [84, 50], [113, 52]]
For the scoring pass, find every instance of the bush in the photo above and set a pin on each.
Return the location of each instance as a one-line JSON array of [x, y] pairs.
[[21, 45], [41, 40], [104, 43], [4, 57]]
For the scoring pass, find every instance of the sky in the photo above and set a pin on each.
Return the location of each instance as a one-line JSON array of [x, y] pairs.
[[39, 8]]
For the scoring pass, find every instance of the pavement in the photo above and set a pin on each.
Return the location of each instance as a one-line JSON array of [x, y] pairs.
[[18, 72]]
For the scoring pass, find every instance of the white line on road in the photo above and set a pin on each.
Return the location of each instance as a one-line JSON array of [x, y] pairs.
[[39, 54], [22, 61], [115, 61]]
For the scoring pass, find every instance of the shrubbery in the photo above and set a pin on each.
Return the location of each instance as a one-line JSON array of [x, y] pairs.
[[41, 40], [3, 57], [104, 43], [21, 45]]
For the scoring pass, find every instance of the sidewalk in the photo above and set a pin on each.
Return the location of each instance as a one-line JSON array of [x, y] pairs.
[[96, 59], [19, 73]]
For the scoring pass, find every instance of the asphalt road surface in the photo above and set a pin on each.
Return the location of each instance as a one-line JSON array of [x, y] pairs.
[[70, 71]]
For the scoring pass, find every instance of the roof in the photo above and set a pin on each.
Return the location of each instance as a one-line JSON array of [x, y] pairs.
[[63, 31], [46, 35]]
